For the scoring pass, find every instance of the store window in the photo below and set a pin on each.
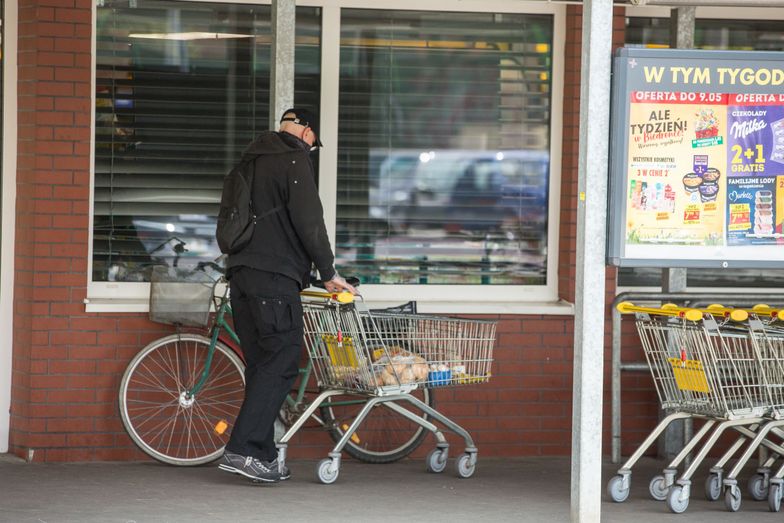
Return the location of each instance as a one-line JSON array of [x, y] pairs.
[[181, 89], [746, 35], [739, 35], [444, 147]]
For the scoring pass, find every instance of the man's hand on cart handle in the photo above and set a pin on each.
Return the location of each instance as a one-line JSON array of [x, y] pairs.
[[337, 284]]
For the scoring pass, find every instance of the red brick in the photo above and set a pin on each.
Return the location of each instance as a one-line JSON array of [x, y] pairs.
[[74, 338], [45, 440], [96, 381], [55, 89], [69, 425], [76, 45], [71, 193], [91, 410], [71, 222], [72, 367], [78, 16], [108, 424], [72, 104], [91, 440], [55, 29], [72, 74], [71, 396], [106, 337], [54, 148], [71, 134], [47, 382], [138, 323], [50, 294], [55, 118], [82, 352]]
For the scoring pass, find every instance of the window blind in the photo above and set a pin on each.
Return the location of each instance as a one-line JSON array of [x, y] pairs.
[[181, 89], [444, 138]]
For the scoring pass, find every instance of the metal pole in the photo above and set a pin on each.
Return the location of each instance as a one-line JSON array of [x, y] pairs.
[[674, 280], [282, 59], [615, 410], [590, 281]]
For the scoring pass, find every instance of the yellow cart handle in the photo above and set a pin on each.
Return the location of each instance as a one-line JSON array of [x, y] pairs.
[[340, 297], [738, 314], [626, 307], [670, 309]]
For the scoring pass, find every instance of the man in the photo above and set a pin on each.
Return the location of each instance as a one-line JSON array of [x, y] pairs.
[[266, 277]]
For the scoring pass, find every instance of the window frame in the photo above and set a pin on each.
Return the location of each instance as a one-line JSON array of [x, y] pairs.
[[521, 299]]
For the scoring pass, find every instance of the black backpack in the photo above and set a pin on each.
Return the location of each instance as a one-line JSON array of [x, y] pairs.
[[236, 217]]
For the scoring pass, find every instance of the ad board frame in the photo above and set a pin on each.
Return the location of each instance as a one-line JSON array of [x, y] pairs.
[[627, 78]]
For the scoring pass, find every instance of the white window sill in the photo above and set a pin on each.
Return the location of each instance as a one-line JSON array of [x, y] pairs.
[[116, 305], [558, 308]]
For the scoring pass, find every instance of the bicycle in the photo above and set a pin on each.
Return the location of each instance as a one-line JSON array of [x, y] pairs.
[[179, 394]]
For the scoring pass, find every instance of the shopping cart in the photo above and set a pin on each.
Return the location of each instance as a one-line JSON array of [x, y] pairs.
[[384, 357], [707, 370], [768, 340]]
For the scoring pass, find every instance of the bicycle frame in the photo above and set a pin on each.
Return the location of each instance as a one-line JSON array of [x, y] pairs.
[[220, 324]]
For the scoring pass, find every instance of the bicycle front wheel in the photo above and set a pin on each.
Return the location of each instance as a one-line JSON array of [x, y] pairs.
[[161, 419], [384, 436]]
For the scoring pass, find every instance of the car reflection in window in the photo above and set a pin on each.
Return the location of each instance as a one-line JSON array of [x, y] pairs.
[[463, 191]]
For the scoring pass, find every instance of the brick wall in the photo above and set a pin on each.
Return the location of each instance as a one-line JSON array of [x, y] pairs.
[[67, 363]]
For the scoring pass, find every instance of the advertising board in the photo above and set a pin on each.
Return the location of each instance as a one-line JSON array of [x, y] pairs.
[[697, 159]]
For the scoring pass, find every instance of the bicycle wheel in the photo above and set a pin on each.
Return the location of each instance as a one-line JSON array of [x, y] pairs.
[[158, 416], [384, 436]]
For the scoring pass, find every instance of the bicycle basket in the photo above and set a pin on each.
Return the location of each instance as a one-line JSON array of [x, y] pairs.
[[180, 296]]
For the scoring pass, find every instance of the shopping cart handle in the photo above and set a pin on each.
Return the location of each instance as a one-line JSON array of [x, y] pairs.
[[626, 307], [340, 297]]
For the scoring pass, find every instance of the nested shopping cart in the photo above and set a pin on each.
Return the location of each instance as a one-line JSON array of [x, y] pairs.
[[768, 339], [384, 357], [702, 369]]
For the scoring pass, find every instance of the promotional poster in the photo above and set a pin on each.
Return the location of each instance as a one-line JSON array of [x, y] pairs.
[[700, 168]]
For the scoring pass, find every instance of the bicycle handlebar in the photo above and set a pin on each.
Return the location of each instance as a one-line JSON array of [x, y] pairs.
[[214, 266]]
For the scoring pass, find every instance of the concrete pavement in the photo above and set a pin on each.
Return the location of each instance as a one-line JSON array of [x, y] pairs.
[[502, 490]]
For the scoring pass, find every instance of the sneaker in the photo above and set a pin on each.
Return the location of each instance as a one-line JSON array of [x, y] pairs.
[[252, 468]]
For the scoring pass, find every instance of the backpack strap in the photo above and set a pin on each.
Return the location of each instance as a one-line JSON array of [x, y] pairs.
[[267, 213]]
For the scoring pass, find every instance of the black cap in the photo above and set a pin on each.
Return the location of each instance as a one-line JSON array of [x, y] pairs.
[[304, 117]]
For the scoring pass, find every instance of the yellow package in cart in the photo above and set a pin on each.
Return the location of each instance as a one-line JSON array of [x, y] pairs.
[[689, 375], [341, 352]]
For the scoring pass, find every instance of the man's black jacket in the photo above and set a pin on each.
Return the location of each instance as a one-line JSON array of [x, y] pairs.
[[290, 232]]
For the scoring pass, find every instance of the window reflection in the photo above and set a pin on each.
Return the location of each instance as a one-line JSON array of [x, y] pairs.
[[444, 147], [181, 89]]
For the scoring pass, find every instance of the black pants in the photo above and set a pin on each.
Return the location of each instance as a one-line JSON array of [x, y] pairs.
[[268, 320]]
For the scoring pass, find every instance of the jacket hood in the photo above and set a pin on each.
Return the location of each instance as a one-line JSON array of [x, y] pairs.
[[271, 142]]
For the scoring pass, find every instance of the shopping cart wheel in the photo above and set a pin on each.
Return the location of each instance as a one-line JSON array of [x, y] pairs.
[[327, 471], [658, 488], [758, 489], [616, 490], [774, 497], [436, 460], [465, 466], [732, 498], [676, 501], [713, 487]]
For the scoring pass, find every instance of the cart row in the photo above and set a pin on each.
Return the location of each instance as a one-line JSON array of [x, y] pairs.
[[725, 368]]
